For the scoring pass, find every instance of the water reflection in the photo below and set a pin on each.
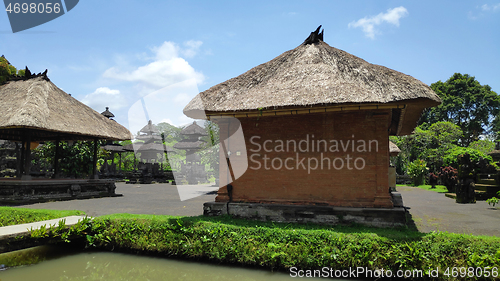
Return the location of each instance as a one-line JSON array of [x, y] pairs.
[[116, 266]]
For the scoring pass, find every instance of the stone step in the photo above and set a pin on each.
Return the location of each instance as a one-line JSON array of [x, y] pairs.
[[483, 187], [487, 181], [487, 187]]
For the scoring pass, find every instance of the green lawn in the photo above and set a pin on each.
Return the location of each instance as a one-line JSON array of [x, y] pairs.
[[439, 188], [12, 216]]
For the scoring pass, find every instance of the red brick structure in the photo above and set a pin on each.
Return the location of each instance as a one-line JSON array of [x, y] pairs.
[[316, 123]]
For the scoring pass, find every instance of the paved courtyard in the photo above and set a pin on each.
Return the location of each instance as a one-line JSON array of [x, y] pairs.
[[158, 199], [429, 210], [434, 211]]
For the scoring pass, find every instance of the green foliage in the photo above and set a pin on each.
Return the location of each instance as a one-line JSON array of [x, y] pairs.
[[484, 146], [210, 153], [429, 143], [74, 160], [451, 158], [80, 229], [12, 216], [493, 200], [6, 70], [281, 246], [467, 103], [417, 170], [169, 132]]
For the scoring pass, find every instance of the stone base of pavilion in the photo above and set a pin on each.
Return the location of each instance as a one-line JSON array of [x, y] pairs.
[[378, 217], [17, 191]]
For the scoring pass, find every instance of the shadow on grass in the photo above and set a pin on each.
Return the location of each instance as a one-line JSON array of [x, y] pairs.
[[405, 232]]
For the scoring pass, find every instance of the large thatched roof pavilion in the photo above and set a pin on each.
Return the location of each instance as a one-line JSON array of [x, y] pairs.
[[37, 106], [341, 108], [35, 110]]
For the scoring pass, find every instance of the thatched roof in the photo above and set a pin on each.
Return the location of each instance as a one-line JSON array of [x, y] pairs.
[[149, 138], [113, 147], [188, 144], [194, 130], [150, 128], [314, 76], [152, 147], [39, 107]]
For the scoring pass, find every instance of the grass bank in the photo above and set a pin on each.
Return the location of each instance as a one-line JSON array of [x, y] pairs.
[[12, 216], [283, 246]]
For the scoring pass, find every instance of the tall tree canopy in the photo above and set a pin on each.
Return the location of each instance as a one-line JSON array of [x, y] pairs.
[[467, 103], [6, 70]]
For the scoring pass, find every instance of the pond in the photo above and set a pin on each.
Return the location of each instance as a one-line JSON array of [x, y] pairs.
[[118, 266]]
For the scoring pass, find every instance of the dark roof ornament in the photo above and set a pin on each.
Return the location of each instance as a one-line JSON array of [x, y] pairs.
[[29, 75], [107, 113], [314, 37]]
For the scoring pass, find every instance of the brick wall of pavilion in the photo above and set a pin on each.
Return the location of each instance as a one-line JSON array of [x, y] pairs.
[[335, 186]]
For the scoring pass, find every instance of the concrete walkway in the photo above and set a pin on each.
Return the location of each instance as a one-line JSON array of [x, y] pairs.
[[22, 229]]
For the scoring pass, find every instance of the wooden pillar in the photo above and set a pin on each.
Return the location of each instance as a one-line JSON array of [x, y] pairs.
[[27, 158], [94, 162], [120, 163], [56, 160], [19, 158]]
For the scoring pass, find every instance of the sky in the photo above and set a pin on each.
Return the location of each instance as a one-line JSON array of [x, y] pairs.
[[147, 59]]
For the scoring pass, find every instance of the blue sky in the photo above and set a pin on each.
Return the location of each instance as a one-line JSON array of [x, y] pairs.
[[116, 52]]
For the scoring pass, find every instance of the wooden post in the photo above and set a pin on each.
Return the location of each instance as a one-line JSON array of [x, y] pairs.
[[27, 158], [56, 160], [94, 164], [120, 164], [20, 159]]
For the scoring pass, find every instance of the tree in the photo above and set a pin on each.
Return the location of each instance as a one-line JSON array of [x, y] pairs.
[[430, 145], [6, 70], [170, 134], [75, 159], [210, 153], [467, 103], [485, 146]]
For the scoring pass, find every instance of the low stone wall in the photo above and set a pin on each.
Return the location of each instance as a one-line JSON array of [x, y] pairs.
[[15, 191], [379, 217]]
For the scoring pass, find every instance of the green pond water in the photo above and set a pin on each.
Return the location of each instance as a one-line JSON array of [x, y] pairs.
[[117, 266]]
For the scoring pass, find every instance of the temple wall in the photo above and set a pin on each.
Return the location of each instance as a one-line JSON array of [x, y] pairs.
[[288, 162]]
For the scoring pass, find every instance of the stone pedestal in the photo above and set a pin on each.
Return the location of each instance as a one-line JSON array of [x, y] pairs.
[[378, 217]]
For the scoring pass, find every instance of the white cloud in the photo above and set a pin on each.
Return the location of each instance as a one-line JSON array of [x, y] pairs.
[[105, 97], [368, 24], [192, 48], [166, 120], [493, 7], [167, 68], [182, 98]]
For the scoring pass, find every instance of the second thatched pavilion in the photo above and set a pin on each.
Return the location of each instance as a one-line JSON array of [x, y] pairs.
[[316, 122]]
